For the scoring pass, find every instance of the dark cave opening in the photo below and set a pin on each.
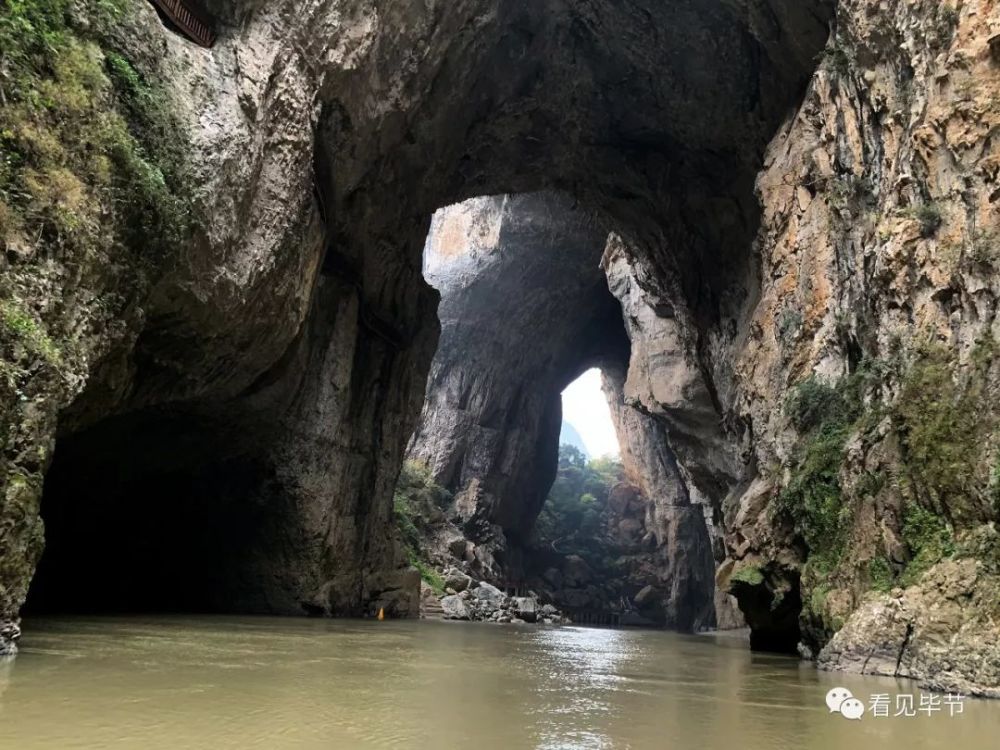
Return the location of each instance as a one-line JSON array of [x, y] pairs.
[[141, 515]]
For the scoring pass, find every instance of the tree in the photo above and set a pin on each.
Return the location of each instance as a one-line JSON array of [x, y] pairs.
[[575, 505]]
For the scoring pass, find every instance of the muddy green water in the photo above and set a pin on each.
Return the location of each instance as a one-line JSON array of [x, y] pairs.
[[220, 683]]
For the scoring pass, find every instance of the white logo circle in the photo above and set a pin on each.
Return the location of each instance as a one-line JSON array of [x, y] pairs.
[[836, 697]]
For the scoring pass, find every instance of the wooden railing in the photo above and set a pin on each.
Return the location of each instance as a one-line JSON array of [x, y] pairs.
[[594, 617], [194, 24]]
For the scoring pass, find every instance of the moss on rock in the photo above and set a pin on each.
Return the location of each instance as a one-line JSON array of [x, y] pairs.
[[93, 201]]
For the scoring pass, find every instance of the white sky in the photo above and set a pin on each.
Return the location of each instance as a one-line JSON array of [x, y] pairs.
[[585, 407]]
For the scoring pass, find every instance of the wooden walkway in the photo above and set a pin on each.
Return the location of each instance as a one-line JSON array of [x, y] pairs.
[[189, 20]]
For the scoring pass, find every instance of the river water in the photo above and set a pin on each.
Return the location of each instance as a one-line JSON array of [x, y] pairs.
[[239, 682]]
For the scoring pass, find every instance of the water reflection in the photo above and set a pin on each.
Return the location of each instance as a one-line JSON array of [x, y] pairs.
[[260, 682]]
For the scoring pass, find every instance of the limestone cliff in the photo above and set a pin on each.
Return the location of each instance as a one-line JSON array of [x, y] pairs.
[[866, 371], [216, 335], [526, 308]]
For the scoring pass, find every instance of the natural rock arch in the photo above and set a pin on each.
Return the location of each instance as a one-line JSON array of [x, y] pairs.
[[278, 361]]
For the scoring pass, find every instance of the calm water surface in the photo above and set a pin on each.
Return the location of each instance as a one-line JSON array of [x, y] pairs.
[[221, 683]]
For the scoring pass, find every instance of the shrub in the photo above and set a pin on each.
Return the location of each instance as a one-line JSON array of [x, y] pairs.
[[835, 58], [945, 24], [994, 485], [813, 402], [929, 540], [880, 575], [930, 217], [789, 324], [90, 152], [415, 498], [20, 326], [429, 576], [812, 500], [939, 424], [984, 250]]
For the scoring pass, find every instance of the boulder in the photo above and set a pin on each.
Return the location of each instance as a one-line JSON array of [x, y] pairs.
[[645, 595], [457, 580], [630, 527], [454, 608], [487, 592], [575, 571], [458, 548], [526, 608], [553, 577]]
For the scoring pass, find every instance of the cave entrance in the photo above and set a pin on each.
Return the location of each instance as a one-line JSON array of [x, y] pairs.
[[534, 346], [143, 514]]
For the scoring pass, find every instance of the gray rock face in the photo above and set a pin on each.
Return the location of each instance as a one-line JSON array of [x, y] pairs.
[[454, 608], [502, 265], [526, 608], [681, 552], [457, 580], [932, 632], [285, 347], [488, 593]]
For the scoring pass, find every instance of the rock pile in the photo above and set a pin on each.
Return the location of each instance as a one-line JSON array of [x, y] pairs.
[[485, 602]]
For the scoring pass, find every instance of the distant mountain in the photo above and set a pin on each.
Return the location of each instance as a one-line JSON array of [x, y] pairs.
[[569, 436]]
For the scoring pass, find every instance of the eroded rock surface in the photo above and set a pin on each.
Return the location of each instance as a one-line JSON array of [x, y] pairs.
[[878, 273], [525, 308], [265, 374]]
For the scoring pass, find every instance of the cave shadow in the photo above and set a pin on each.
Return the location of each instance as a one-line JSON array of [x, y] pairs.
[[142, 514]]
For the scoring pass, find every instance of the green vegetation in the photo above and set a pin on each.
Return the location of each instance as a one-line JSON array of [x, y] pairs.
[[814, 402], [940, 422], [571, 515], [750, 575], [945, 25], [416, 501], [994, 485], [880, 574], [984, 250], [835, 58], [939, 467], [19, 325], [789, 325], [929, 539], [812, 499], [930, 217], [90, 154], [430, 576]]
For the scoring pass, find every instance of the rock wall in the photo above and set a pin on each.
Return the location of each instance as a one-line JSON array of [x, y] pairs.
[[873, 500], [682, 550]]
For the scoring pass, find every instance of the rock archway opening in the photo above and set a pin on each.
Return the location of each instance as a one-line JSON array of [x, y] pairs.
[[540, 312]]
